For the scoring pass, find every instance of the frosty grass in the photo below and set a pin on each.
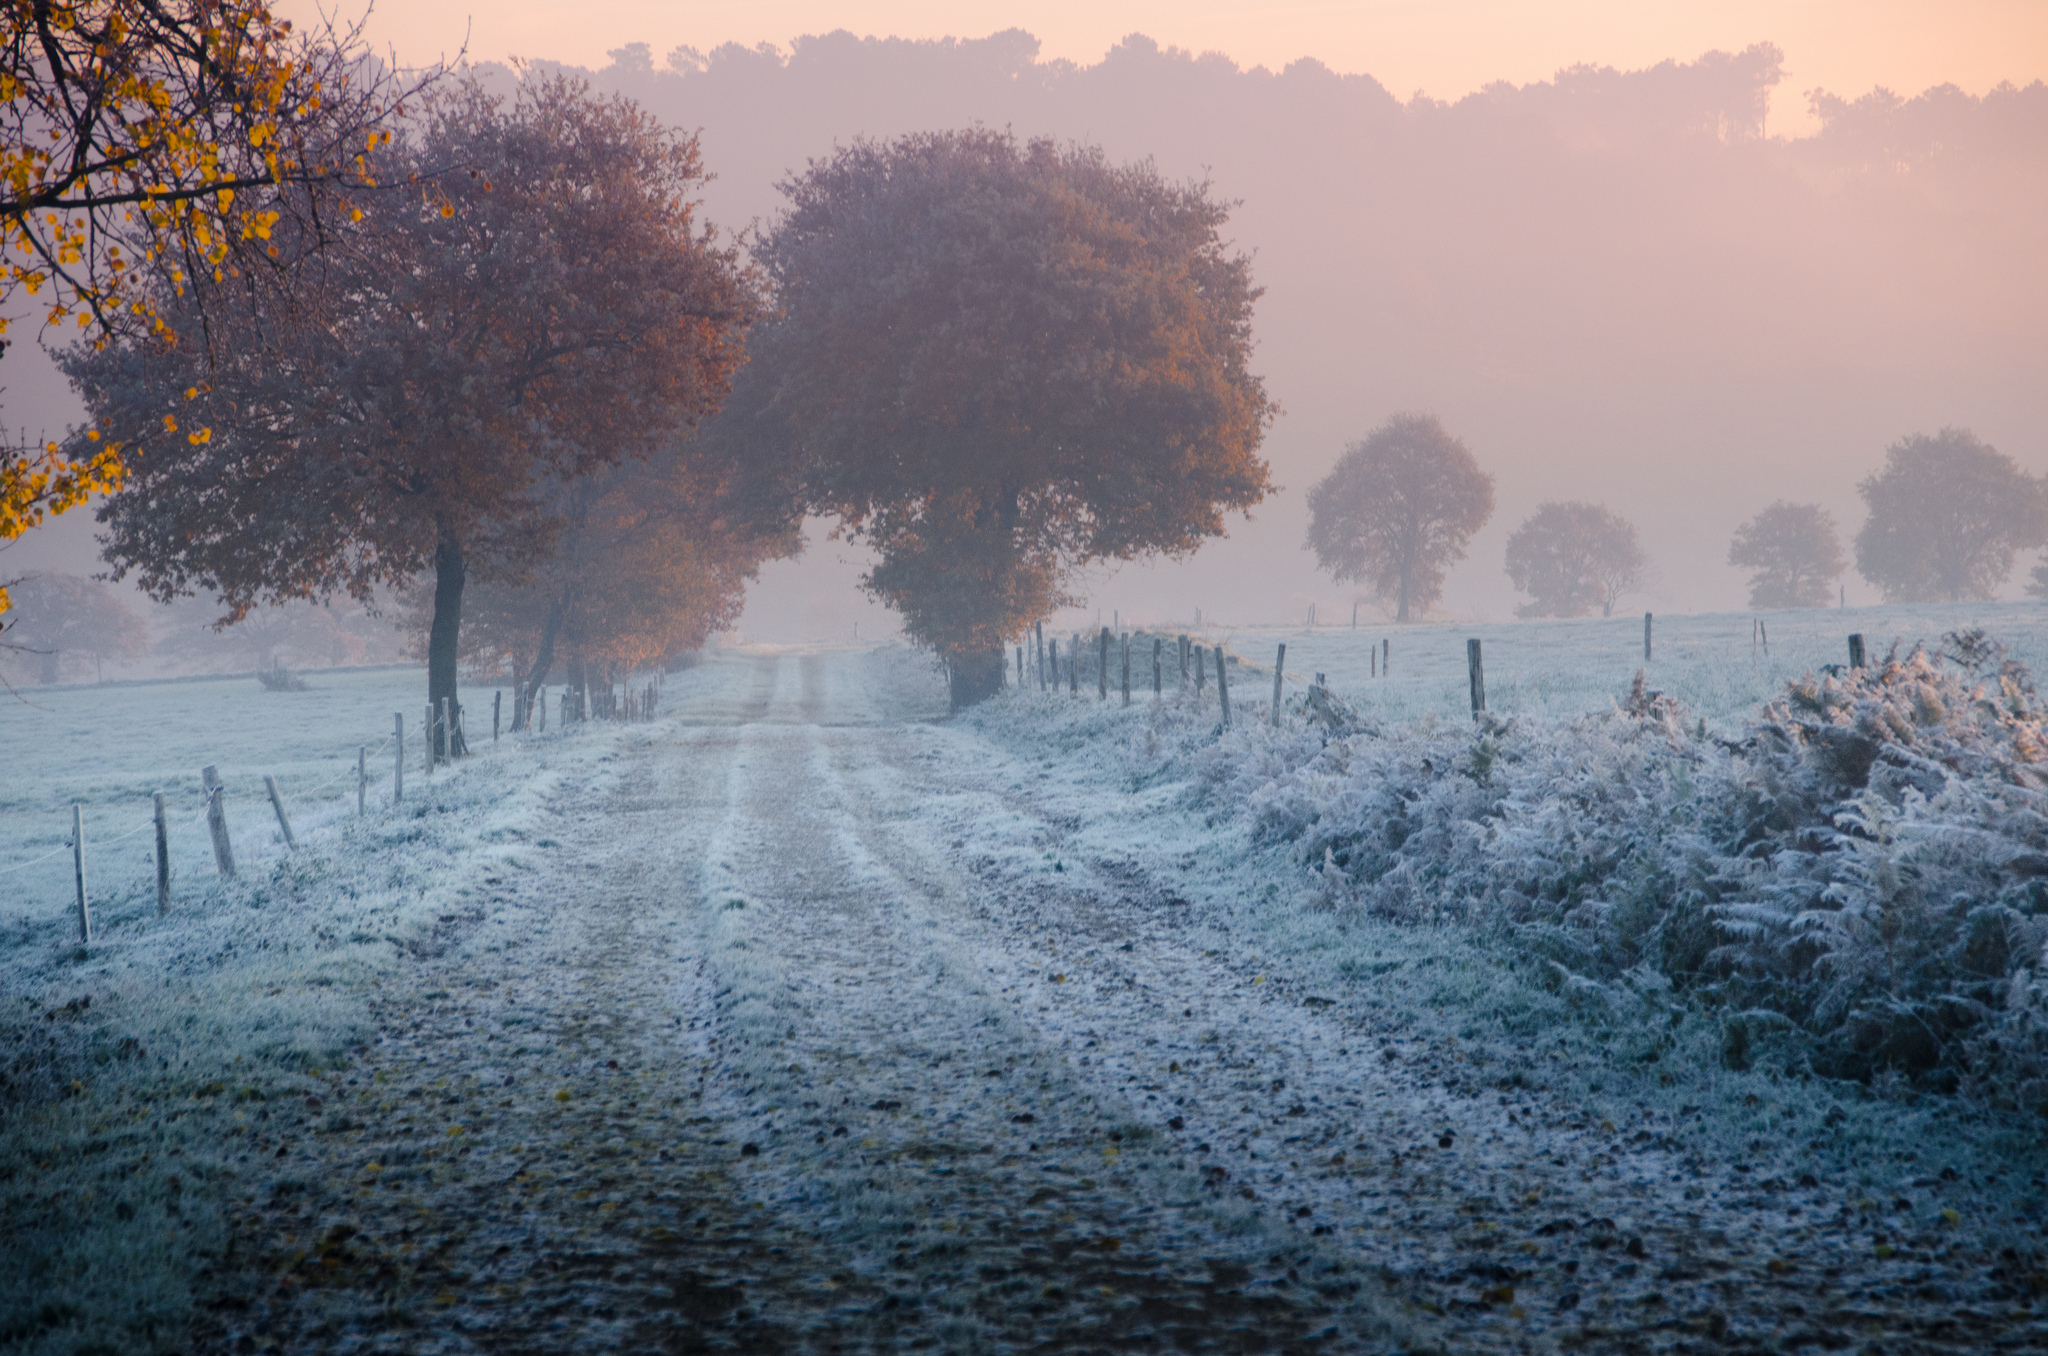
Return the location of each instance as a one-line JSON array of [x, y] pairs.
[[129, 1064]]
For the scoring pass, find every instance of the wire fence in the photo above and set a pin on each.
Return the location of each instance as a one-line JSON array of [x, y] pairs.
[[442, 738]]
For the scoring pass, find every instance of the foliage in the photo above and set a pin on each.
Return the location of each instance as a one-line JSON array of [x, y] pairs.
[[1795, 553], [63, 623], [1397, 510], [142, 141], [1865, 871], [558, 312], [651, 558], [301, 634], [1571, 557], [999, 361], [1946, 515]]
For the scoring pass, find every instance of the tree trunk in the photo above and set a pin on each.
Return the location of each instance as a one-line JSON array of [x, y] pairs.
[[974, 676], [450, 572], [543, 659]]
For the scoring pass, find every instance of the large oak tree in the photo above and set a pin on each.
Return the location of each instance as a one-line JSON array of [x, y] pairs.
[[1397, 510], [997, 361], [544, 307]]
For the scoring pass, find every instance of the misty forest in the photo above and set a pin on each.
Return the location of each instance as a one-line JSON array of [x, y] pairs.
[[899, 695]]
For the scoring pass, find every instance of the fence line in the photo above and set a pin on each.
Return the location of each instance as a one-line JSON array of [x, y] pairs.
[[635, 705]]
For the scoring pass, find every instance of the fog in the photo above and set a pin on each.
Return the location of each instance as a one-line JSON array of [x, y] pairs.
[[1615, 286]]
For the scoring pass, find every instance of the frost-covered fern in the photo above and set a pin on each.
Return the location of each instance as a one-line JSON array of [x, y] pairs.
[[1870, 862]]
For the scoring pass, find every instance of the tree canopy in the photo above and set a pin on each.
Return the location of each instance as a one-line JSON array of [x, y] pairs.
[[1947, 514], [1397, 510], [152, 141], [1794, 552], [996, 361], [1571, 557], [550, 308]]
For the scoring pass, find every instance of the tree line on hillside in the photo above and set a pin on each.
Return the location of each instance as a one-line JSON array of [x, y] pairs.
[[1947, 515]]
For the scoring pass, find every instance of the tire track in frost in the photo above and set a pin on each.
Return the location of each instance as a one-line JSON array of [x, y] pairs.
[[1370, 1148], [522, 1162], [978, 1191]]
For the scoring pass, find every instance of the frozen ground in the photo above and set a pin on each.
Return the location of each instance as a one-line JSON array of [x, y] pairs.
[[803, 1019]]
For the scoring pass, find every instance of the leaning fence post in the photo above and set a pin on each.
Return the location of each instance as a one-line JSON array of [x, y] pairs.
[[217, 820], [1856, 650], [277, 804], [1646, 637], [78, 868], [1222, 686], [1279, 663], [163, 857], [1476, 671]]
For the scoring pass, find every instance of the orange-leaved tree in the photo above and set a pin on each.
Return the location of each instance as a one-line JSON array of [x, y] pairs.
[[997, 361], [148, 140], [551, 307]]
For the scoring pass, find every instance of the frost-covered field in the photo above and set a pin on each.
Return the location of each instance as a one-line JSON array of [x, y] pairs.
[[1563, 667], [802, 1018]]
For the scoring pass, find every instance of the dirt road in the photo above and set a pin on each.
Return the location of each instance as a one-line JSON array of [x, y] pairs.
[[825, 1025]]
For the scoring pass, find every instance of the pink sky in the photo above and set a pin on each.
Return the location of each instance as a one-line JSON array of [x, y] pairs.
[[1445, 48]]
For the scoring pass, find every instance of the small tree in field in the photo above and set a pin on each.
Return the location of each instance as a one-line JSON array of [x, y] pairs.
[[1795, 553], [1572, 557], [546, 309], [64, 624], [1947, 513], [1397, 510], [998, 361]]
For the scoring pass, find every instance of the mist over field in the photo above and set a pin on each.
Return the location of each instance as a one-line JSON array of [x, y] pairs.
[[1614, 286]]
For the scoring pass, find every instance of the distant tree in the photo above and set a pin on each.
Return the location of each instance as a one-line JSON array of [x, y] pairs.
[[64, 624], [2037, 580], [1000, 361], [548, 310], [652, 556], [173, 131], [1947, 514], [294, 635], [1795, 553], [1572, 557], [1397, 510]]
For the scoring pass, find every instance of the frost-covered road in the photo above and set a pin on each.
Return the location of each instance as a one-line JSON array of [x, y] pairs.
[[826, 1026]]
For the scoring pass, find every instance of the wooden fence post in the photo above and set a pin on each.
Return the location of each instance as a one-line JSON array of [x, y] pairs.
[[217, 820], [1102, 665], [1856, 650], [277, 804], [78, 869], [1764, 630], [1200, 672], [1646, 637], [1222, 686], [1354, 614], [1038, 651], [1181, 650], [362, 779], [397, 757], [1476, 672], [496, 696], [163, 857], [1126, 647], [1279, 664], [447, 731], [429, 728], [1158, 668], [1020, 667], [1386, 655]]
